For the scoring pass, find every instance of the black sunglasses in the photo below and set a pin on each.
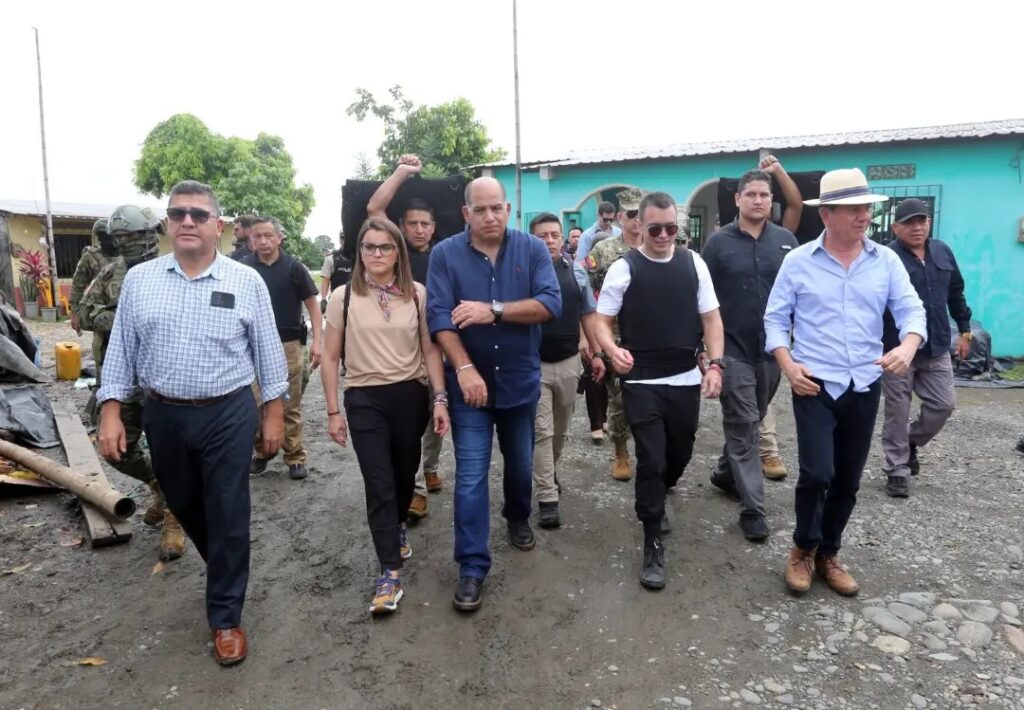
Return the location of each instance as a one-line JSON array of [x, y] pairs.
[[607, 220], [631, 214], [671, 229], [199, 216]]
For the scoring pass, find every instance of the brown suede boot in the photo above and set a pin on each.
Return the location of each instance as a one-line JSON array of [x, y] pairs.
[[835, 575], [154, 514], [622, 469], [799, 570], [172, 542], [773, 468]]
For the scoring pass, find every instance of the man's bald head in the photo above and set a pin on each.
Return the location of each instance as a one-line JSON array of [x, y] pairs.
[[485, 188], [486, 210]]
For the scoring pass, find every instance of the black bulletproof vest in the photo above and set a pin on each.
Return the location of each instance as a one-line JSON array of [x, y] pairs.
[[560, 338], [342, 273], [658, 320]]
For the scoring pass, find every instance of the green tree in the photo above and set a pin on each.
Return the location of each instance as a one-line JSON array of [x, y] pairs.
[[307, 252], [254, 176], [364, 171], [447, 138], [323, 242]]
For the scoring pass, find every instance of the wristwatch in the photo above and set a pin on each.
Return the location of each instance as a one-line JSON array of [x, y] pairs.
[[498, 309], [718, 361]]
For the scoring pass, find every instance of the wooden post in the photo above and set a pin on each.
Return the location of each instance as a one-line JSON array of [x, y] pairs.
[[6, 267]]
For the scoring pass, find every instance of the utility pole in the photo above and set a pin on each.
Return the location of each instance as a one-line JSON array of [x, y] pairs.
[[46, 181], [519, 163]]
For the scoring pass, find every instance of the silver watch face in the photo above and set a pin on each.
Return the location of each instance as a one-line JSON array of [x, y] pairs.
[[497, 307]]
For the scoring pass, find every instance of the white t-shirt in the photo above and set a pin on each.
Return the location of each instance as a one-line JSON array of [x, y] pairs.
[[616, 281]]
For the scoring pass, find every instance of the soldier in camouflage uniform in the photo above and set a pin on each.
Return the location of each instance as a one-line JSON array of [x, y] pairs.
[[92, 261], [598, 261], [136, 235]]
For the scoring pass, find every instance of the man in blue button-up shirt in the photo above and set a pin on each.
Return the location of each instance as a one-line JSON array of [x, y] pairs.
[[488, 290], [193, 329], [833, 293]]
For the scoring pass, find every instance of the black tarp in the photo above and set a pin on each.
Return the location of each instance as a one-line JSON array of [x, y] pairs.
[[809, 184], [445, 195], [979, 368], [25, 412], [17, 349]]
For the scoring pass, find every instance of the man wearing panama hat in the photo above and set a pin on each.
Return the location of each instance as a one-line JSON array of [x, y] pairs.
[[833, 293]]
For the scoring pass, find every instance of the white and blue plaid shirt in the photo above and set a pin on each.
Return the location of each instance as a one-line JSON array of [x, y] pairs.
[[193, 338]]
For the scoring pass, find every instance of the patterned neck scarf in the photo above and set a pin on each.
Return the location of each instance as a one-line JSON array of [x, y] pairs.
[[382, 294]]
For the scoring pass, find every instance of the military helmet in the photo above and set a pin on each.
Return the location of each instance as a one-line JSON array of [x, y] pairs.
[[99, 227], [129, 218], [136, 232]]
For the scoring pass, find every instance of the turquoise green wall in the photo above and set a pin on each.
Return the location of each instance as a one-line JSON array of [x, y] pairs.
[[980, 210]]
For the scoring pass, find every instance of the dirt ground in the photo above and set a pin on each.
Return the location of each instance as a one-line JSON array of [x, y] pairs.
[[566, 625]]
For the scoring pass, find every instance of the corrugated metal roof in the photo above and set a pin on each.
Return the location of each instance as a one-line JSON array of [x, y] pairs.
[[81, 210], [1013, 126]]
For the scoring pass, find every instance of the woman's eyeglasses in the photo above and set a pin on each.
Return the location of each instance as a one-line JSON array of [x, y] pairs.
[[382, 249]]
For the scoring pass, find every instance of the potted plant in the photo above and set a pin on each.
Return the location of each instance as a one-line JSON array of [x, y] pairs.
[[30, 295], [33, 270]]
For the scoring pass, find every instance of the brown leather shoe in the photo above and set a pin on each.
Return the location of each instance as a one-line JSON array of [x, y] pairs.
[[622, 468], [433, 481], [773, 468], [172, 541], [229, 646], [835, 575], [799, 570], [418, 507]]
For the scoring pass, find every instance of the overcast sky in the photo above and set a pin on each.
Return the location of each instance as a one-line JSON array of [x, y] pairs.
[[593, 74]]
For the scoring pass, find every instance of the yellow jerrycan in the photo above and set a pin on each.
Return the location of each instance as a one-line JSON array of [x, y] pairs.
[[69, 361]]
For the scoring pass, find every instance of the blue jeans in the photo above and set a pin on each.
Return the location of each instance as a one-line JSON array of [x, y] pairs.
[[472, 433]]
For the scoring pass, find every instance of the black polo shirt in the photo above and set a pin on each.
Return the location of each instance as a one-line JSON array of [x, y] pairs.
[[289, 284], [743, 270], [940, 285], [418, 262]]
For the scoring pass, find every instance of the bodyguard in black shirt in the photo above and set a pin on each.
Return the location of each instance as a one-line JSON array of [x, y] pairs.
[[744, 258], [936, 277], [290, 286]]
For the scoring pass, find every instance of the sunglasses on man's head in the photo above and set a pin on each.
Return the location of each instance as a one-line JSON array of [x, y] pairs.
[[199, 216], [671, 229]]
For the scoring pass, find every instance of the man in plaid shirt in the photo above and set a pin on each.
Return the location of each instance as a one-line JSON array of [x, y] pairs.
[[193, 330]]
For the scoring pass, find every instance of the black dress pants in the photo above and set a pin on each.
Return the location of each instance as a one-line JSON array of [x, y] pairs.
[[663, 420], [834, 439], [201, 458], [386, 423]]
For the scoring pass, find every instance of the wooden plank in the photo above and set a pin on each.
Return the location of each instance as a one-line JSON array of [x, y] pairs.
[[82, 457]]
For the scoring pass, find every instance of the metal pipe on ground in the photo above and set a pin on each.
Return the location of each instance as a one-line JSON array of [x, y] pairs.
[[112, 502]]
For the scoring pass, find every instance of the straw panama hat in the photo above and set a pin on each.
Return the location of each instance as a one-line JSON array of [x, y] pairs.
[[847, 186]]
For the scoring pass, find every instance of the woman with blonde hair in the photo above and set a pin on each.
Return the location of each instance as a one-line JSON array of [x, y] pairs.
[[377, 329]]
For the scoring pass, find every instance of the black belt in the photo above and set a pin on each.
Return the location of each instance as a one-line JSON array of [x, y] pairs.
[[205, 402]]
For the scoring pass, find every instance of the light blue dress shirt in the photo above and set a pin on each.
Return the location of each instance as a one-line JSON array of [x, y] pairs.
[[586, 242], [836, 313], [193, 338]]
